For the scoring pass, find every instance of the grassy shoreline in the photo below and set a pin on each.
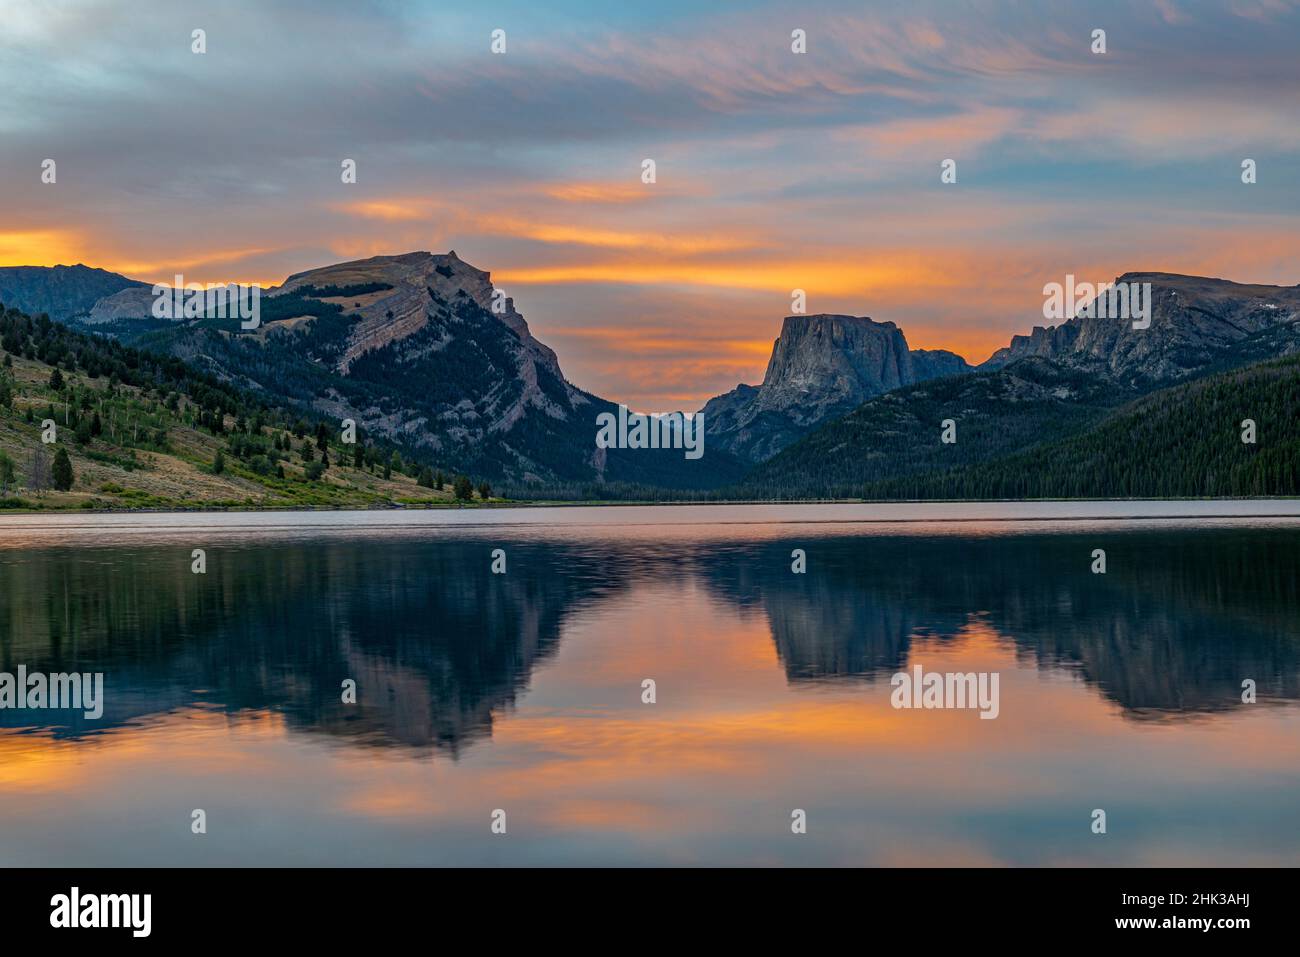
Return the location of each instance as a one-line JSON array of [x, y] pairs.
[[499, 504]]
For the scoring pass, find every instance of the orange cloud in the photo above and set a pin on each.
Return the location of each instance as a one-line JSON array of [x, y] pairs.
[[618, 239], [54, 247], [478, 222], [40, 247], [598, 192], [199, 267], [843, 277], [664, 340], [391, 210]]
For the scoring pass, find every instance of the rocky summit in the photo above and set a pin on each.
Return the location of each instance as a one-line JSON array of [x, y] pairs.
[[822, 366], [1194, 323], [415, 306]]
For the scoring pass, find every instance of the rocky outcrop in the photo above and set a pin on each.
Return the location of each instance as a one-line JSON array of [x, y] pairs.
[[415, 279], [821, 367], [1194, 323], [823, 361], [417, 282]]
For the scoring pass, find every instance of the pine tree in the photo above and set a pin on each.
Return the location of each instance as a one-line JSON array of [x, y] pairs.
[[62, 470], [7, 474]]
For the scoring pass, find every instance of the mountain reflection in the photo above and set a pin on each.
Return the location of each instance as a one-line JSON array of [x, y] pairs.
[[435, 642], [438, 644], [1173, 627]]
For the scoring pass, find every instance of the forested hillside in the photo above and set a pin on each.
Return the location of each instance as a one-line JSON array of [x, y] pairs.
[[134, 429], [1185, 441], [899, 433]]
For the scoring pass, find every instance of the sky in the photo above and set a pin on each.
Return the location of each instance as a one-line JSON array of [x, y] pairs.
[[774, 170]]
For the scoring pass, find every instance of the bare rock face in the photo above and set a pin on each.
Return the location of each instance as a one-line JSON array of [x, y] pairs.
[[416, 280], [432, 328], [822, 366], [825, 361], [411, 315], [1194, 323], [134, 302]]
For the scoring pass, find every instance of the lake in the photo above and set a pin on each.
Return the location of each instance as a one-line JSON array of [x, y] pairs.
[[524, 691]]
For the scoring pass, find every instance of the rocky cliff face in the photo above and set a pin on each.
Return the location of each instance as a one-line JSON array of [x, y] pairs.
[[1195, 323], [823, 361], [822, 366], [416, 278], [418, 317]]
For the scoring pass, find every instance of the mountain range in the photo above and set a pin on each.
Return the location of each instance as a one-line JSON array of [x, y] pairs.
[[1195, 323], [418, 349], [1090, 408]]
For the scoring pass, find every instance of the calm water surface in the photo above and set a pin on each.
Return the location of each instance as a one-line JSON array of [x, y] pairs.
[[522, 691]]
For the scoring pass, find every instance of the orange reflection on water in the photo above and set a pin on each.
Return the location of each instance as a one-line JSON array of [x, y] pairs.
[[709, 773], [736, 752]]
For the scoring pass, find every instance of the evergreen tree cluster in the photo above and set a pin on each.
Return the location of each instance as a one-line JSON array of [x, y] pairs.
[[138, 395], [1182, 442]]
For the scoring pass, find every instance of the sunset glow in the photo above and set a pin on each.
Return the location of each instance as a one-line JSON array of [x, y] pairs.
[[775, 172]]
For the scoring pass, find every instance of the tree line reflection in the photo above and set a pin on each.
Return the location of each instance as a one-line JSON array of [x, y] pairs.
[[439, 645]]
